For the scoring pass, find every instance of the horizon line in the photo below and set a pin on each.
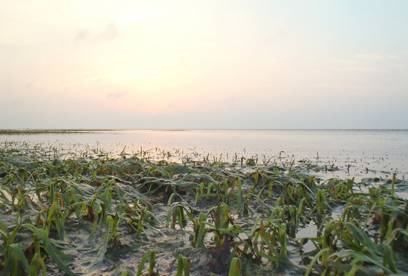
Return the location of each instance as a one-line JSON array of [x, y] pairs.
[[68, 130]]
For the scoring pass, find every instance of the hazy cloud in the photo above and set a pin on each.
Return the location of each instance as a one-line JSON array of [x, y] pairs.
[[82, 35], [108, 33], [117, 95]]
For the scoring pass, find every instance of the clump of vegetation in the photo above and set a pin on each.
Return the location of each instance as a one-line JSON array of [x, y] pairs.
[[90, 212]]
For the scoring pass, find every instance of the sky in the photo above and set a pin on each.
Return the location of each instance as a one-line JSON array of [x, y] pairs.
[[204, 64]]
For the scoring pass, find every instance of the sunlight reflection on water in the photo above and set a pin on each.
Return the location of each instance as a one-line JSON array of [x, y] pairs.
[[377, 151]]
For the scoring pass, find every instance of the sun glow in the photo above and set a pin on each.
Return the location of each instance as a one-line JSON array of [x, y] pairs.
[[217, 61]]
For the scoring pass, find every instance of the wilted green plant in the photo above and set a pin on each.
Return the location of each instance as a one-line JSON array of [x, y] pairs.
[[150, 259], [177, 215], [56, 219], [235, 267], [200, 230], [110, 238], [37, 265], [183, 266], [321, 203], [364, 250], [138, 217], [15, 262], [269, 240], [223, 226], [253, 213], [41, 236], [340, 190]]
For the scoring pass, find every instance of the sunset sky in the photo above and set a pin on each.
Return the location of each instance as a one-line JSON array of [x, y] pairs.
[[204, 64]]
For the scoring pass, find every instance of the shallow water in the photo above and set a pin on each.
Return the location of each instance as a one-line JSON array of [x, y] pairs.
[[357, 153]]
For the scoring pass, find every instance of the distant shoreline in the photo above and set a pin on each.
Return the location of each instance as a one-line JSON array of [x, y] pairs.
[[90, 130]]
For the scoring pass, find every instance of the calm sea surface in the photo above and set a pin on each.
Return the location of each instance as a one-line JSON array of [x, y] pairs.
[[381, 152]]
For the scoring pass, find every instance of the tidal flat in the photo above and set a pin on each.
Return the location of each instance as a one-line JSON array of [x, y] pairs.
[[89, 212]]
